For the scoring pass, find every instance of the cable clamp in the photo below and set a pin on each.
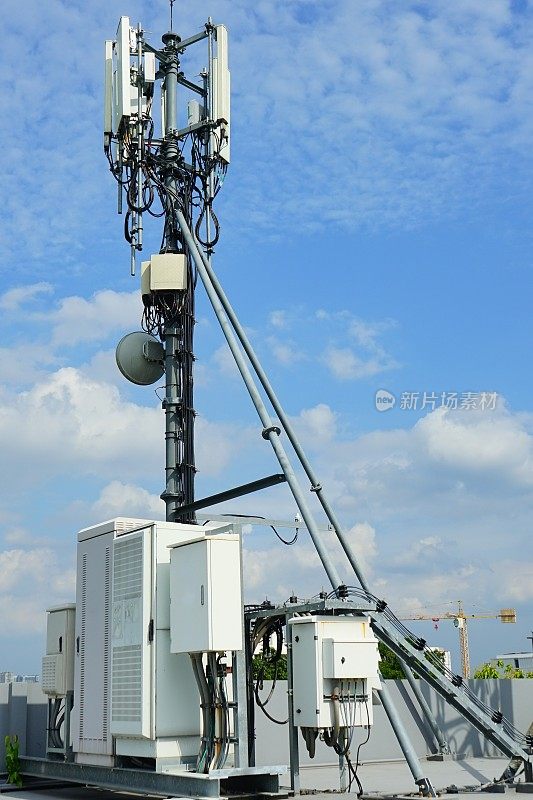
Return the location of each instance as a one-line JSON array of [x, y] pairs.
[[265, 433], [316, 488]]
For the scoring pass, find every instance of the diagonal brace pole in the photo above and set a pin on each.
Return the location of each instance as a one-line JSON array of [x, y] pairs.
[[308, 469], [272, 433]]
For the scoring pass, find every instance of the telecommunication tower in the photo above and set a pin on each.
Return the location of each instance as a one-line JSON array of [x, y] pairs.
[[173, 173], [174, 170]]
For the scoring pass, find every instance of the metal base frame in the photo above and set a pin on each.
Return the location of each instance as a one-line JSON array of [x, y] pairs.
[[251, 781]]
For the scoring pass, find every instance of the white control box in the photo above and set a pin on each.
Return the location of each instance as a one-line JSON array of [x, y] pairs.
[[168, 272], [58, 663], [164, 272], [206, 595], [335, 668]]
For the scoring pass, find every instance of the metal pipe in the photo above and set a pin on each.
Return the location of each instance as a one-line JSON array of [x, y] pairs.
[[171, 84], [270, 431], [405, 743], [294, 758], [284, 420], [426, 710], [220, 305], [171, 339], [140, 128], [315, 484]]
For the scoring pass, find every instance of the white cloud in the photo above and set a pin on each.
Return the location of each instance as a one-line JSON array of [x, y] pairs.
[[79, 320], [224, 361], [219, 444], [127, 500], [15, 298], [278, 318], [479, 442], [344, 364], [368, 357], [423, 108], [354, 347], [286, 352], [362, 538], [317, 425], [68, 421], [519, 583], [414, 80], [31, 580], [24, 363], [18, 562]]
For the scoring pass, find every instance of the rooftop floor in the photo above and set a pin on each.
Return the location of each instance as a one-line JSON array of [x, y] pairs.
[[394, 777]]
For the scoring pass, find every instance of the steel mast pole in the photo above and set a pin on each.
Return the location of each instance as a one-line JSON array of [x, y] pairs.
[[178, 330]]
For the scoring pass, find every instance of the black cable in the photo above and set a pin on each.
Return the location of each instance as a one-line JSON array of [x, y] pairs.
[[361, 744], [284, 541], [262, 704]]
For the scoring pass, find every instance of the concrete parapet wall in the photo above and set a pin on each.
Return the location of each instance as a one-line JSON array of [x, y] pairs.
[[23, 712]]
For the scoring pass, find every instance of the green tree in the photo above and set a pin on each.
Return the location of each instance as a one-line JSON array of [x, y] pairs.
[[390, 665], [265, 668], [498, 670], [12, 760]]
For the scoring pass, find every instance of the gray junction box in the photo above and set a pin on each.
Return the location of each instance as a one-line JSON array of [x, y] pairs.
[[335, 668]]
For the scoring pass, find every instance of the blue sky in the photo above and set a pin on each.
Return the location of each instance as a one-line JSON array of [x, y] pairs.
[[376, 235]]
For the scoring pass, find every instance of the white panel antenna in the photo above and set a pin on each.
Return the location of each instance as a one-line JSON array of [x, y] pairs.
[[195, 112], [220, 77], [122, 74], [108, 89], [149, 67]]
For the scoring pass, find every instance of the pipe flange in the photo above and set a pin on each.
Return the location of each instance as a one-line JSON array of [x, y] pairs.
[[265, 433]]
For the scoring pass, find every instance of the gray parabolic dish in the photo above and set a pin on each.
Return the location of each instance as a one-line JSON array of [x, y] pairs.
[[132, 361]]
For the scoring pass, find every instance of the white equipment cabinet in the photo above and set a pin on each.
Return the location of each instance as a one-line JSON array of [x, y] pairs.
[[206, 595], [91, 736], [58, 663], [335, 668], [133, 696]]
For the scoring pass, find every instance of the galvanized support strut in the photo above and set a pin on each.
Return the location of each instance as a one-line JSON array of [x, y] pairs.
[[315, 484], [272, 432]]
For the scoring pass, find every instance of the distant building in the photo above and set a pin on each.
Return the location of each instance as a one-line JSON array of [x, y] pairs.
[[12, 677], [523, 661], [446, 656]]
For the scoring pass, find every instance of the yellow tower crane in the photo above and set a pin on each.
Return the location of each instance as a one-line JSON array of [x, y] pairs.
[[460, 619]]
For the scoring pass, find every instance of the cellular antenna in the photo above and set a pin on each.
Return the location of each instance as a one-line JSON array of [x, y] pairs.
[[169, 161]]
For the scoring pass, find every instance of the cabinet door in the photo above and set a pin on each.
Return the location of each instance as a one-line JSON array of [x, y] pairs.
[[90, 716], [189, 604], [131, 635]]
